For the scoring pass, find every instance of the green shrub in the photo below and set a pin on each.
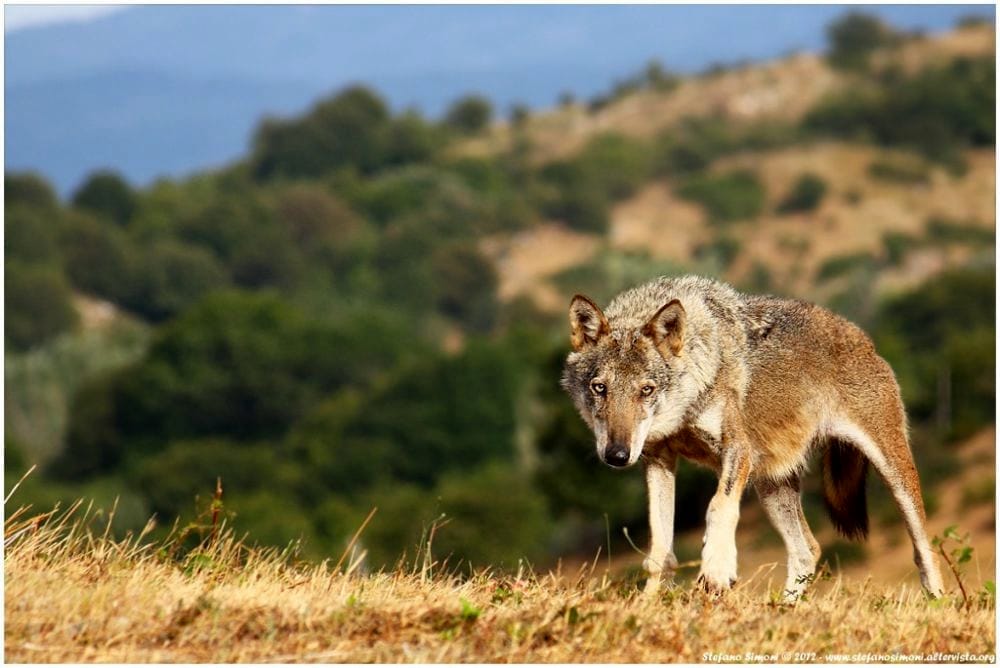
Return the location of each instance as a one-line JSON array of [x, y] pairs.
[[96, 258], [806, 194], [735, 195], [349, 129], [518, 115], [945, 231], [723, 250], [169, 277], [28, 189], [41, 383], [37, 307], [440, 415], [106, 194], [694, 143], [616, 164], [854, 37], [943, 332], [466, 285], [938, 111], [840, 265], [572, 196], [30, 234], [909, 170], [897, 245], [469, 115], [238, 366]]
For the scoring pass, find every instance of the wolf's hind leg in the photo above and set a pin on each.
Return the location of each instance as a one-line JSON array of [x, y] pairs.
[[661, 485], [782, 503], [886, 447]]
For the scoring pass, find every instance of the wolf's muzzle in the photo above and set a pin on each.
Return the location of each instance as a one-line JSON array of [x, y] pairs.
[[616, 455]]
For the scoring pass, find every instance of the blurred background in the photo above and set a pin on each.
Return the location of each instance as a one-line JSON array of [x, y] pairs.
[[324, 253]]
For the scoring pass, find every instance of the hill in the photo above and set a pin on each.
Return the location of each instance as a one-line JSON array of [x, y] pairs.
[[164, 91]]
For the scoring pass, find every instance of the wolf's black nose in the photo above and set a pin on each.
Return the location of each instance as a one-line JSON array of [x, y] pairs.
[[616, 455]]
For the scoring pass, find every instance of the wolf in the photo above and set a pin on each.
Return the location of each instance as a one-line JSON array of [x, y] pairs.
[[751, 387]]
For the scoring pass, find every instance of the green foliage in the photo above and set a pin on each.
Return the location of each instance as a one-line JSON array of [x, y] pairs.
[[572, 197], [854, 37], [901, 169], [943, 332], [897, 245], [466, 285], [37, 306], [28, 189], [659, 78], [806, 194], [495, 517], [353, 128], [938, 111], [442, 414], [470, 114], [172, 478], [488, 515], [519, 115], [234, 365], [722, 250], [105, 193], [618, 164], [580, 191], [694, 143], [30, 234], [840, 265], [946, 231], [96, 258], [732, 196], [41, 383], [172, 276]]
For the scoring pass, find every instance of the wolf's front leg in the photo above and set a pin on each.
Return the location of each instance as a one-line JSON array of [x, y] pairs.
[[660, 484], [718, 557]]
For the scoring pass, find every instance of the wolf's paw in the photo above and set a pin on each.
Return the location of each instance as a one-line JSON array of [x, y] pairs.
[[718, 568]]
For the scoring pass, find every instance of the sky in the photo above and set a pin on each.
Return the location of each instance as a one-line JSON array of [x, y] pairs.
[[16, 17]]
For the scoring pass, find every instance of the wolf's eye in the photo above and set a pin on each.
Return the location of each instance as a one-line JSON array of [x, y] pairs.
[[598, 388], [647, 390]]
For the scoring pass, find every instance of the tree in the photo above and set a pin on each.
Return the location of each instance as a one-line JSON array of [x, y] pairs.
[[28, 188], [30, 234], [805, 195], [466, 285], [854, 37], [97, 258], [107, 194], [470, 114], [349, 129], [170, 276], [519, 115], [38, 305]]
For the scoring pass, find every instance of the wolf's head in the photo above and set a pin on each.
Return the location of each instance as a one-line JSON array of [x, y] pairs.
[[627, 385]]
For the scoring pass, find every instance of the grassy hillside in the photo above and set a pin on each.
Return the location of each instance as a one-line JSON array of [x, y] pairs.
[[73, 595], [873, 195]]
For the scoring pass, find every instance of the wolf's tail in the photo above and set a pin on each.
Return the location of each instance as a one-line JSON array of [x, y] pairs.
[[844, 471]]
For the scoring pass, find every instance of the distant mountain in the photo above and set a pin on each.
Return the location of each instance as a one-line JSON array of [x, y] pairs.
[[163, 90]]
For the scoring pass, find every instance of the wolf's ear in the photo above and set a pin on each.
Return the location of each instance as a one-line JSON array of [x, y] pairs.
[[666, 328], [587, 323]]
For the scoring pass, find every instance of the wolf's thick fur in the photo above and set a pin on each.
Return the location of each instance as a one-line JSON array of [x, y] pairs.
[[750, 386]]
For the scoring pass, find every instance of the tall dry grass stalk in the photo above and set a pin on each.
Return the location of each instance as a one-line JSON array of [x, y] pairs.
[[76, 594]]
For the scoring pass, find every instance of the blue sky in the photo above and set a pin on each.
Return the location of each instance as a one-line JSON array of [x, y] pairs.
[[17, 17]]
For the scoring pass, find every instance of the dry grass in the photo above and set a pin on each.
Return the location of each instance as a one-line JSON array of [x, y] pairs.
[[75, 595]]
